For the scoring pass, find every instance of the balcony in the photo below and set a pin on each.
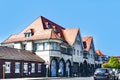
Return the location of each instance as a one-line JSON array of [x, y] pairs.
[[54, 53]]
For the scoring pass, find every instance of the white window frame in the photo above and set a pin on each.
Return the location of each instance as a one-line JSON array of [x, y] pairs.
[[33, 68], [39, 67], [7, 67], [46, 46], [25, 67], [17, 67]]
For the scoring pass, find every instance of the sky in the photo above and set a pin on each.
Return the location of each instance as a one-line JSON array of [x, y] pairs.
[[97, 18]]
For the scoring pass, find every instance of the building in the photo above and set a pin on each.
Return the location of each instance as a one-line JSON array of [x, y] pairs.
[[100, 58], [118, 57], [63, 49], [17, 63], [89, 54]]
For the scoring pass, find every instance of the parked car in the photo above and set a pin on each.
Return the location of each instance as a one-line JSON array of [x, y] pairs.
[[104, 74], [116, 72], [119, 76]]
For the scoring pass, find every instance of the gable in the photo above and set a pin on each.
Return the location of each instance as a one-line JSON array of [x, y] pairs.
[[88, 43], [70, 35]]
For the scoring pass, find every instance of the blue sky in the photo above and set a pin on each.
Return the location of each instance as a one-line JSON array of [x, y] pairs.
[[97, 18]]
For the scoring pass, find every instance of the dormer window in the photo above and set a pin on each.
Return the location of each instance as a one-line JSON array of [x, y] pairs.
[[29, 33], [47, 25], [84, 44], [55, 29]]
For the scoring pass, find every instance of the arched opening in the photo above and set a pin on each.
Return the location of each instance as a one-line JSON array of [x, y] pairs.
[[68, 68], [53, 67], [81, 69], [92, 69], [61, 70], [85, 70], [88, 69]]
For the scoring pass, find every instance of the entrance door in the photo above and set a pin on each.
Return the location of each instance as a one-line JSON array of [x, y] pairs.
[[53, 68], [68, 69], [61, 68]]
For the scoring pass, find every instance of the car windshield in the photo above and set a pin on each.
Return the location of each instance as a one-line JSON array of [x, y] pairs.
[[101, 70]]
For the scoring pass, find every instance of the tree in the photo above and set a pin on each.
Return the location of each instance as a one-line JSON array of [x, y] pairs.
[[106, 65], [112, 63]]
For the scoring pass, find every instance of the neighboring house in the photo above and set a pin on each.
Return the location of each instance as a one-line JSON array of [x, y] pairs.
[[61, 48], [89, 54], [100, 58], [17, 63]]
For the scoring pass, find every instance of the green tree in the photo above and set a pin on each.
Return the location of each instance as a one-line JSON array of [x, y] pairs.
[[112, 63], [106, 65]]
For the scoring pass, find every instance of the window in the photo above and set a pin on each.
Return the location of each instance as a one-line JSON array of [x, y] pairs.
[[35, 46], [81, 53], [74, 51], [38, 46], [46, 46], [49, 26], [78, 52], [55, 30], [64, 50], [17, 67], [54, 46], [25, 67], [7, 67], [84, 44], [28, 34], [39, 68], [33, 68]]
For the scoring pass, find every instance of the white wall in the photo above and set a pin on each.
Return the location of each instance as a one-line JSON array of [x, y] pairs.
[[17, 45], [44, 55], [29, 46]]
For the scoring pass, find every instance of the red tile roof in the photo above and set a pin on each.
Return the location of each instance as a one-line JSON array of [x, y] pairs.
[[41, 31], [70, 35], [18, 54], [88, 41], [118, 57], [99, 53]]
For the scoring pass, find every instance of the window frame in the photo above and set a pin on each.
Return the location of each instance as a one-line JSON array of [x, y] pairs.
[[7, 67], [39, 68], [24, 67], [17, 67], [32, 67]]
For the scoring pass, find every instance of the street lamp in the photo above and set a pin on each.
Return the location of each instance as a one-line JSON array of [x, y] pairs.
[[3, 71]]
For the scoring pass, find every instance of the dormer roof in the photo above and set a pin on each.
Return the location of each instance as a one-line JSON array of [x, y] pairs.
[[99, 53]]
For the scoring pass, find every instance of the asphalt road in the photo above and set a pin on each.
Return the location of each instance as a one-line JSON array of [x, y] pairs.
[[76, 78], [53, 78]]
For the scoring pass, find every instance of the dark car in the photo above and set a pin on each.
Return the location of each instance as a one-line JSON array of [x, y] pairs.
[[103, 74]]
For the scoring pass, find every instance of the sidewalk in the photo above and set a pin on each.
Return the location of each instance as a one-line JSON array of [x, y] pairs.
[[38, 78]]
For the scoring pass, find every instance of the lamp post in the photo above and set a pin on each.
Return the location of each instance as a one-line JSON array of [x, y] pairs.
[[3, 71]]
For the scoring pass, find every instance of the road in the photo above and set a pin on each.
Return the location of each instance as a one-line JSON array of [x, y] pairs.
[[76, 78], [53, 78]]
